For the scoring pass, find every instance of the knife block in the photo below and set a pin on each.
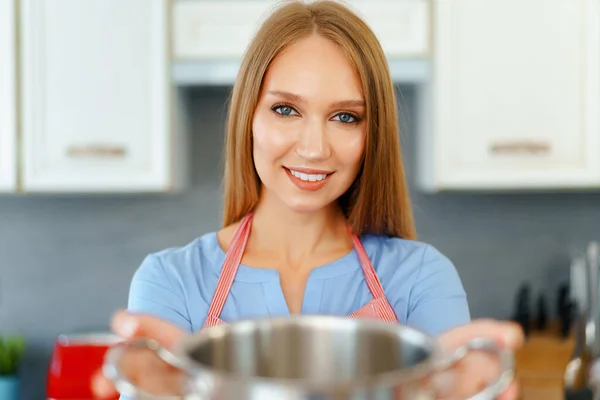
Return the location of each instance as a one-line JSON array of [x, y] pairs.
[[540, 364]]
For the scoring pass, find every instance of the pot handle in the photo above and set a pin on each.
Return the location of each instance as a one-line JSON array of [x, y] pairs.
[[111, 367], [505, 356]]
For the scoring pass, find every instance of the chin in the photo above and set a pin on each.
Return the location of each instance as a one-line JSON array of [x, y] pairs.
[[306, 206]]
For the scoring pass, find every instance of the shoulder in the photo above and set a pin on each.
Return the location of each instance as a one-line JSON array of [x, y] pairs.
[[422, 284], [414, 266], [163, 283], [199, 256], [174, 283], [392, 254]]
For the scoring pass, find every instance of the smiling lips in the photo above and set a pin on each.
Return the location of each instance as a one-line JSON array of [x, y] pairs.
[[307, 179]]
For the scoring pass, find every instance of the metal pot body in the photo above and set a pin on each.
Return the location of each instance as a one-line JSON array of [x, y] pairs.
[[307, 358]]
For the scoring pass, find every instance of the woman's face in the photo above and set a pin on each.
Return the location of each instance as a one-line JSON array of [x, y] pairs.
[[308, 128]]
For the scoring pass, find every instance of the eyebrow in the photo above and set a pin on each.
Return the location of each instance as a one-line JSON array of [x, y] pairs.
[[296, 98]]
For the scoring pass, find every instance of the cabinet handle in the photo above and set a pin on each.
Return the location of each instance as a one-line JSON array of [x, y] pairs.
[[96, 151], [531, 147]]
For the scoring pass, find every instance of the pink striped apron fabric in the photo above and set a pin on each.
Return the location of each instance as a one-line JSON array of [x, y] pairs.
[[378, 308]]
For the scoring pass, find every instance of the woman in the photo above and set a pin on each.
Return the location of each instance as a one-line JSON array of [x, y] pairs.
[[317, 218]]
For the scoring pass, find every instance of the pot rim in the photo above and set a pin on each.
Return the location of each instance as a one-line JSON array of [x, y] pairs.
[[417, 373]]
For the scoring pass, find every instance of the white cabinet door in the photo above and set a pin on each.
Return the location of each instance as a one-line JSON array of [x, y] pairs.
[[96, 98], [205, 30], [218, 29], [8, 97], [515, 95], [402, 26]]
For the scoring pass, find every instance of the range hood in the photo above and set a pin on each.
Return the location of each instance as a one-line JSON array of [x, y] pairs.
[[223, 73]]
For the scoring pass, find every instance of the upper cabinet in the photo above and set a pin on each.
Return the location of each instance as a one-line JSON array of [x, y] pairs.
[[509, 89], [223, 29], [403, 27], [96, 97], [8, 97], [515, 96], [210, 37], [213, 30]]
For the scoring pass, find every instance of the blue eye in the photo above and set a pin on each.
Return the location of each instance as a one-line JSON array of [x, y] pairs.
[[346, 118], [284, 110]]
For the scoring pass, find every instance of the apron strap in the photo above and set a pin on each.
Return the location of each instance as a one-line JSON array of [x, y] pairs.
[[370, 275], [230, 266]]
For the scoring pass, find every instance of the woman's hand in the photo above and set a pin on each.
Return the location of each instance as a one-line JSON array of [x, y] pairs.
[[143, 367], [477, 370]]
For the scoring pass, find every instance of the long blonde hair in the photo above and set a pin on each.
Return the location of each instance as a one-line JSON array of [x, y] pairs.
[[378, 201]]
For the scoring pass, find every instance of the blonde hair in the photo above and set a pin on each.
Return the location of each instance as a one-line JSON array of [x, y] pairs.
[[378, 201]]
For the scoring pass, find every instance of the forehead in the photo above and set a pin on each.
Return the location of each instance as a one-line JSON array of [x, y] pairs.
[[314, 68]]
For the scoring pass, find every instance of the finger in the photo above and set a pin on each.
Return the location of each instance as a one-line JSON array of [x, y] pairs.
[[468, 376], [102, 387], [505, 333], [130, 325], [160, 381], [145, 370], [511, 393], [150, 373]]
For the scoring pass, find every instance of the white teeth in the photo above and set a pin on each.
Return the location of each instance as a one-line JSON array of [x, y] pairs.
[[308, 177]]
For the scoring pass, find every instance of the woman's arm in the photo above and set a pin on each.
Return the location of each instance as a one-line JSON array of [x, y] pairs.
[[437, 301], [155, 291]]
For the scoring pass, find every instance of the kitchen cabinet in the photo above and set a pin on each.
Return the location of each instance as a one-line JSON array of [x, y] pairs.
[[8, 97], [96, 97], [223, 29], [209, 30], [209, 37], [402, 27], [514, 96]]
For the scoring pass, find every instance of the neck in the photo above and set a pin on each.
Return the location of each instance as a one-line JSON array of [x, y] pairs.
[[292, 236]]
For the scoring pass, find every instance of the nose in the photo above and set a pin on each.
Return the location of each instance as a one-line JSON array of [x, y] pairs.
[[313, 143]]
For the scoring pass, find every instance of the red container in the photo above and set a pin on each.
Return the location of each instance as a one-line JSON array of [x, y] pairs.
[[75, 360]]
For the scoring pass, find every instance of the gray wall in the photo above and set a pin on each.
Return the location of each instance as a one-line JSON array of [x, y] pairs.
[[66, 261]]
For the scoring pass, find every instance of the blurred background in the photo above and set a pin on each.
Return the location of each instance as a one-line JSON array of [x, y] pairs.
[[112, 123]]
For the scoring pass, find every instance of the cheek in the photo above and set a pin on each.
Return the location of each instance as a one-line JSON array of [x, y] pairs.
[[270, 141], [350, 151]]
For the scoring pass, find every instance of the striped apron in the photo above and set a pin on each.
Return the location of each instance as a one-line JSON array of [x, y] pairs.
[[377, 308]]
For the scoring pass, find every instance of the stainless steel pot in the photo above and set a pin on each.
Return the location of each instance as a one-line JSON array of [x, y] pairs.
[[309, 357]]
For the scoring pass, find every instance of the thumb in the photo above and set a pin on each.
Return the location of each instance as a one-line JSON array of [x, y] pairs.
[[506, 334], [131, 325]]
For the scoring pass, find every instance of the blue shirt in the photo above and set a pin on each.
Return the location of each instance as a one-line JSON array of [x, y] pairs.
[[420, 283]]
